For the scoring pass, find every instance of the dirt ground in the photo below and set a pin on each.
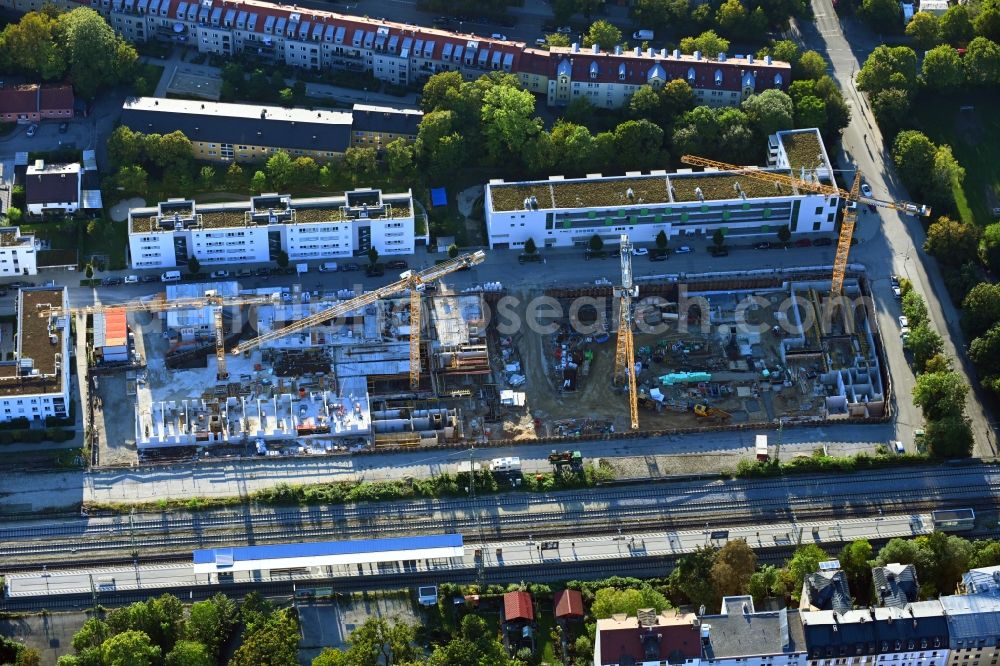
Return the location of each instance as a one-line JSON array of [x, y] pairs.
[[598, 403]]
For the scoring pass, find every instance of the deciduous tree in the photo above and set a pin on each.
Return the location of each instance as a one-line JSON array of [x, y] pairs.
[[881, 15], [925, 30], [949, 437], [942, 70], [769, 112], [956, 25], [235, 178], [279, 169], [129, 648], [981, 309], [707, 42], [189, 653], [509, 124], [812, 65], [940, 394], [889, 67], [604, 34], [31, 46], [97, 57], [610, 600], [731, 570], [925, 343], [952, 242], [982, 62]]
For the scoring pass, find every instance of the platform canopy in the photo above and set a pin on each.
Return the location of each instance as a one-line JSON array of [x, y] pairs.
[[327, 553]]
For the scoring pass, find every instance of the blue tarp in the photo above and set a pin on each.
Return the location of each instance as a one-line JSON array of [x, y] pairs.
[[439, 196]]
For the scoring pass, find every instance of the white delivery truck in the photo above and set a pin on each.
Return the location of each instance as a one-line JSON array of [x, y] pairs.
[[328, 267], [644, 35], [508, 464], [171, 276]]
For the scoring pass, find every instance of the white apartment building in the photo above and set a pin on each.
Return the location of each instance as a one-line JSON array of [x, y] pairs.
[[563, 212], [35, 384], [258, 230], [402, 54], [17, 252], [50, 188]]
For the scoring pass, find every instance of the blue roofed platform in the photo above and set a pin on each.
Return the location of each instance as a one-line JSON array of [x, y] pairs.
[[328, 554]]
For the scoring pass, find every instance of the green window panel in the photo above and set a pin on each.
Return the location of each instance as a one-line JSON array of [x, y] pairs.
[[684, 216], [567, 224], [645, 211], [746, 206], [608, 221], [765, 228], [704, 208], [767, 213], [725, 215], [592, 214]]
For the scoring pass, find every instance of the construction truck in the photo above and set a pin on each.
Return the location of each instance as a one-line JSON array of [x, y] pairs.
[[707, 411], [559, 459]]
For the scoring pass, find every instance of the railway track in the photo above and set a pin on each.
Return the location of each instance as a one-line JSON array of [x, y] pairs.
[[621, 511]]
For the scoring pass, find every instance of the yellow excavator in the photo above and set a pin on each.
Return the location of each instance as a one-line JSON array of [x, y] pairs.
[[707, 411]]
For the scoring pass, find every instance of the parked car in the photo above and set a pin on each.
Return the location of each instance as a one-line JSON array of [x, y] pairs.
[[904, 323], [396, 264], [348, 268], [525, 257], [218, 275], [658, 255], [112, 281], [499, 35], [262, 272], [639, 252], [642, 35], [897, 293], [866, 189], [441, 20], [131, 279], [763, 245], [150, 278], [375, 271], [244, 273], [31, 130], [803, 242], [822, 242], [564, 30], [541, 41], [684, 249]]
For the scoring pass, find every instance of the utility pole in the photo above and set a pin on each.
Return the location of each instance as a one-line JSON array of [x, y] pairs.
[[777, 447]]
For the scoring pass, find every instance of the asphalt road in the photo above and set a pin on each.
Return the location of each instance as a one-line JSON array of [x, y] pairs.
[[893, 243]]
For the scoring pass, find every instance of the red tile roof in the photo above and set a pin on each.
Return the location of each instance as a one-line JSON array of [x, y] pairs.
[[26, 98], [56, 97], [568, 603], [517, 606], [672, 642]]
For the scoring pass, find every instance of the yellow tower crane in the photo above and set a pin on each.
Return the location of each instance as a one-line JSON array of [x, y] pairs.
[[414, 281], [625, 352], [812, 184], [160, 304]]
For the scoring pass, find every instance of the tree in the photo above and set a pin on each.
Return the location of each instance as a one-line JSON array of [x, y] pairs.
[[914, 308], [234, 177], [440, 90], [327, 176], [769, 111], [676, 98], [981, 309], [556, 39], [732, 19], [889, 67], [596, 243], [129, 648], [762, 583], [258, 183], [372, 255], [812, 65], [913, 154], [132, 180], [611, 600], [279, 169], [939, 363], [88, 271], [987, 22], [211, 622], [508, 123], [475, 645], [639, 143], [734, 564], [949, 437], [940, 394], [274, 642], [891, 107], [95, 55], [707, 42], [661, 239], [810, 112], [956, 25], [172, 151], [281, 259], [378, 642], [305, 171], [189, 653], [572, 146], [881, 15], [924, 30], [946, 175], [982, 61], [194, 266], [360, 162], [925, 343], [784, 233], [984, 352], [645, 103], [14, 215], [399, 157], [31, 46], [952, 242], [804, 561], [286, 97], [989, 246], [529, 247], [207, 177], [855, 560], [692, 577], [719, 238], [985, 553], [93, 632], [604, 34], [125, 147], [942, 70]]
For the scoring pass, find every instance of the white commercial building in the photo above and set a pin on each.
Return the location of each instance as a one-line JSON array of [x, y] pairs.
[[17, 252], [35, 384], [563, 212], [258, 230]]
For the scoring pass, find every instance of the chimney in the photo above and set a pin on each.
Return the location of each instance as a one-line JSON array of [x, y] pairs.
[[596, 48], [263, 114], [638, 51], [575, 47], [677, 53], [767, 60], [750, 58], [618, 50], [722, 57], [697, 55]]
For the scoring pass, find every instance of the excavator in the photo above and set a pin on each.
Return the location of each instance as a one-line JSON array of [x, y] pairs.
[[707, 411]]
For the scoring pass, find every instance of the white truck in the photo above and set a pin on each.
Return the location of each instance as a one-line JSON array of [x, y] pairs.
[[643, 35], [328, 267], [508, 464]]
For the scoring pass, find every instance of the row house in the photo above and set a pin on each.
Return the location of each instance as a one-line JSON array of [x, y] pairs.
[[403, 54]]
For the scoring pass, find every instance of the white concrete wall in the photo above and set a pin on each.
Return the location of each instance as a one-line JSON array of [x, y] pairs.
[[26, 263], [151, 250], [320, 240], [233, 245], [393, 236]]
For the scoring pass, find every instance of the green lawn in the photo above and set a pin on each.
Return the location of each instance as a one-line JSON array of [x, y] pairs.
[[974, 137], [108, 238], [545, 647]]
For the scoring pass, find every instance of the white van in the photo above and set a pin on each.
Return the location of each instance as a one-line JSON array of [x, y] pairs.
[[328, 267], [644, 35], [509, 464], [171, 276]]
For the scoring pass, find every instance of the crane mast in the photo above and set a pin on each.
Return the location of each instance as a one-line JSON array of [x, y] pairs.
[[625, 351]]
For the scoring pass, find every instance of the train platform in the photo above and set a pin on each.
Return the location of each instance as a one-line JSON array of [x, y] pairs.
[[446, 553]]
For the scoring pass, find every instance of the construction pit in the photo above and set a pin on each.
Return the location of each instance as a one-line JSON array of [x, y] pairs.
[[709, 354]]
